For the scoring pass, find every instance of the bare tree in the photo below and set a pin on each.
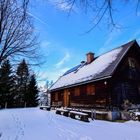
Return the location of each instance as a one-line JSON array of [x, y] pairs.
[[100, 9], [17, 38]]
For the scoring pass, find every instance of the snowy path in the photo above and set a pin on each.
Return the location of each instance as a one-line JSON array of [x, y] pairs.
[[35, 124]]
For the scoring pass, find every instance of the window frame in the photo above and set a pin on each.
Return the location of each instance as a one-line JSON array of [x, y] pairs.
[[90, 89], [131, 62]]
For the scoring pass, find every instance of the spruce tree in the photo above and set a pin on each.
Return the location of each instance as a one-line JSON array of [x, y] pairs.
[[22, 84], [6, 85], [32, 92]]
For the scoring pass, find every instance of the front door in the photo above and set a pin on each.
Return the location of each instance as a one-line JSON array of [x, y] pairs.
[[66, 98]]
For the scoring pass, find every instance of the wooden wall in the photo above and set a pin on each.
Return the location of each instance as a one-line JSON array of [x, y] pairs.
[[88, 95], [126, 81]]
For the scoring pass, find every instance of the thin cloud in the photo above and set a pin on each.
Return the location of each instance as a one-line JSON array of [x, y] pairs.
[[113, 35], [37, 18], [61, 62], [62, 5], [108, 43]]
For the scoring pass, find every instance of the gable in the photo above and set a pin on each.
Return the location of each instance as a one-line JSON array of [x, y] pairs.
[[102, 67], [130, 65]]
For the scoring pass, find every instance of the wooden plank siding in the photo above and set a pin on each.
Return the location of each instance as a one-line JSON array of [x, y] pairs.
[[89, 95]]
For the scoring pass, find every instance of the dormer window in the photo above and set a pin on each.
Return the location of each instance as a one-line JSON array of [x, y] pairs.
[[131, 62]]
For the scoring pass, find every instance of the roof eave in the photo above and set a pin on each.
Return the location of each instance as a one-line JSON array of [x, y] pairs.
[[81, 83]]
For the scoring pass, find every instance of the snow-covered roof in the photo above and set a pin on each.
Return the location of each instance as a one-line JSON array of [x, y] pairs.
[[102, 67]]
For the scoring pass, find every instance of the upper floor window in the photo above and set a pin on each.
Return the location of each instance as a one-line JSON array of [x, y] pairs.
[[90, 89], [132, 62]]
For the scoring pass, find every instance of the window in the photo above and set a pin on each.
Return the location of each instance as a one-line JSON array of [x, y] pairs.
[[131, 62], [56, 96], [90, 89], [77, 91], [74, 91]]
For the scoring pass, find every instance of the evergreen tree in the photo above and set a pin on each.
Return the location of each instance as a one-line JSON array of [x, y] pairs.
[[32, 94], [6, 85], [22, 84]]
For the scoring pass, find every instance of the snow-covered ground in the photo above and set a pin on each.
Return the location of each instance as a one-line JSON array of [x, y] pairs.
[[35, 124]]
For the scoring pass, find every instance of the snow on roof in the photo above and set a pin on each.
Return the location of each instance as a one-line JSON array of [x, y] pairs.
[[102, 66]]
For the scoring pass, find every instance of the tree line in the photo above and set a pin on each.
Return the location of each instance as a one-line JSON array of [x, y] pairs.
[[18, 87]]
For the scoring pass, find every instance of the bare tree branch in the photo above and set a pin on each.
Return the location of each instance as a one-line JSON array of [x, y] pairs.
[[100, 10], [16, 30]]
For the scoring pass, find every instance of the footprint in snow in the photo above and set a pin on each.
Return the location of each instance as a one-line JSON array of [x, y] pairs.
[[0, 134], [20, 126]]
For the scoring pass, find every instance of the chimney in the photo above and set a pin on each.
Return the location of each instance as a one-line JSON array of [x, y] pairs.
[[90, 57]]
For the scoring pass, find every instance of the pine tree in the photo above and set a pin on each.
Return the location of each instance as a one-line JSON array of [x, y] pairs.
[[32, 94], [6, 85], [22, 84]]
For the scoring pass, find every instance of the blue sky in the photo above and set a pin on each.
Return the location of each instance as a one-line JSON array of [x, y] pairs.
[[62, 42]]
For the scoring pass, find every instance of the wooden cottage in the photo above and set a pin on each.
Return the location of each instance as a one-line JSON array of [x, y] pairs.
[[105, 81]]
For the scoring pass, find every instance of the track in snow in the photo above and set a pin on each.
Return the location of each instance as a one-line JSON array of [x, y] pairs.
[[19, 125]]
